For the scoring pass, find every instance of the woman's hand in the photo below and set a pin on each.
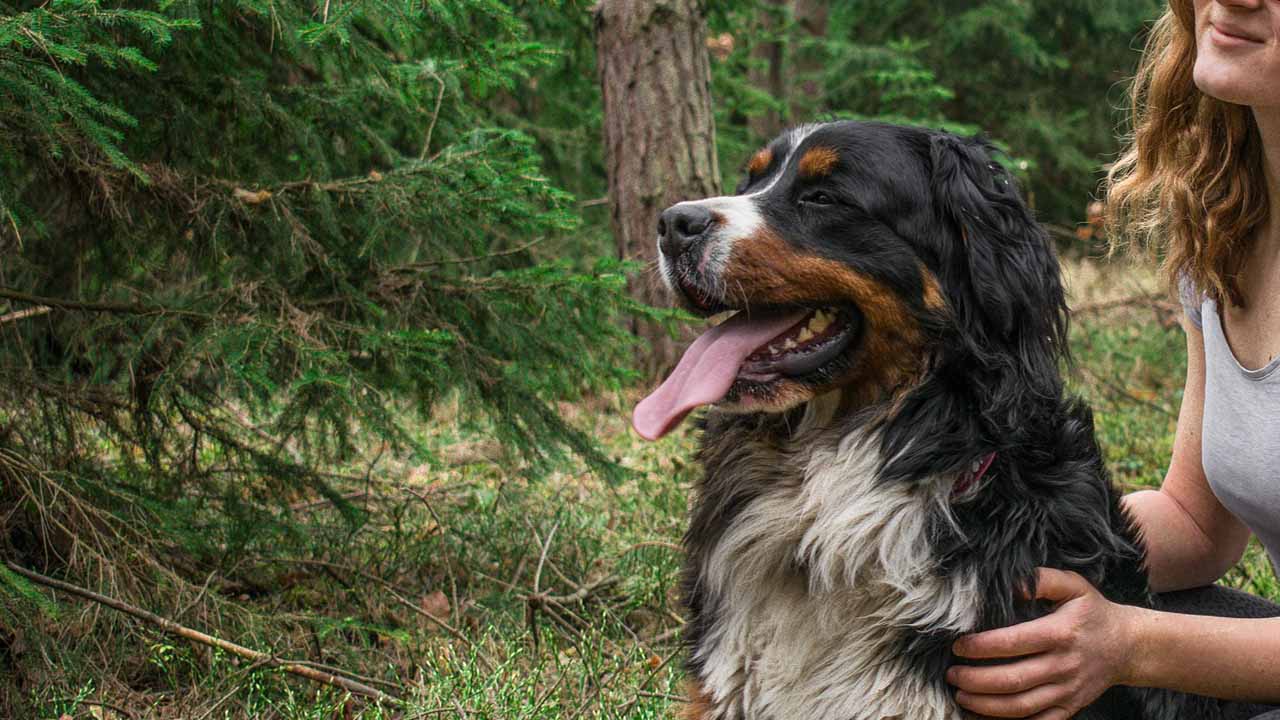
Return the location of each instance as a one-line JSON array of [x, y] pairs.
[[1064, 660]]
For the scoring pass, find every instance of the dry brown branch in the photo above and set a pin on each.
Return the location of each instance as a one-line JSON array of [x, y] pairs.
[[663, 696], [17, 315], [435, 115], [98, 703], [1141, 299], [582, 593], [654, 543], [488, 666], [394, 592], [1119, 389], [448, 563], [107, 307], [411, 267], [649, 679], [169, 626]]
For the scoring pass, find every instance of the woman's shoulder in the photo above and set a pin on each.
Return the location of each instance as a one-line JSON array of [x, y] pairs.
[[1192, 301]]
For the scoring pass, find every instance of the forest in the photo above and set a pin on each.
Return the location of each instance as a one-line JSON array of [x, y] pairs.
[[321, 323]]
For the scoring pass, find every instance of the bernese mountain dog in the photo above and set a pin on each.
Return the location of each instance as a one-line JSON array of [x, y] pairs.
[[890, 453]]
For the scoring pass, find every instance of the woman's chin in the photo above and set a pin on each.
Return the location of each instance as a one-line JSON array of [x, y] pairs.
[[1243, 80]]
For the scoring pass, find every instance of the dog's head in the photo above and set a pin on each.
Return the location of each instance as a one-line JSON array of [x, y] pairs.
[[878, 260]]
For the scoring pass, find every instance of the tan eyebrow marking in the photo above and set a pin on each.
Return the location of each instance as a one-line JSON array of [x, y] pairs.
[[760, 161], [818, 162]]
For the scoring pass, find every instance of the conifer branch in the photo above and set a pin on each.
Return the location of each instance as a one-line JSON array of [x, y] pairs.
[[410, 267], [107, 307], [303, 670]]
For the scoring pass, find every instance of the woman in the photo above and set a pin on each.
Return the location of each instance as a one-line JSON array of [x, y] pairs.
[[1200, 178]]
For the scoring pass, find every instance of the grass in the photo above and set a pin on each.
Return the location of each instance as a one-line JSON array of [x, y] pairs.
[[562, 586]]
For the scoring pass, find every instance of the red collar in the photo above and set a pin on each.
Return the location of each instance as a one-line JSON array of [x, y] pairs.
[[973, 475]]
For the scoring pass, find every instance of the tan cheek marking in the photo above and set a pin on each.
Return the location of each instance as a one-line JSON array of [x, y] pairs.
[[760, 161], [769, 271], [818, 162], [699, 707]]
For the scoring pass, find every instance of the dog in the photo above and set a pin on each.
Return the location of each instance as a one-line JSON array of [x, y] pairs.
[[890, 452]]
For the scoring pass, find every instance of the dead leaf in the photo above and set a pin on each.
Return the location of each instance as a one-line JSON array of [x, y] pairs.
[[251, 197], [720, 45], [435, 604]]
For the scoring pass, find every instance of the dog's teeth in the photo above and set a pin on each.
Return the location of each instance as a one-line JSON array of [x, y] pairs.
[[721, 317], [820, 322], [789, 344], [805, 335]]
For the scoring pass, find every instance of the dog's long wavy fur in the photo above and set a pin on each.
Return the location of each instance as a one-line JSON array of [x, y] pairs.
[[831, 562]]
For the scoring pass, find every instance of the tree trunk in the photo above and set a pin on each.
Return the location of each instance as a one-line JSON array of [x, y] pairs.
[[766, 72], [659, 135], [806, 64]]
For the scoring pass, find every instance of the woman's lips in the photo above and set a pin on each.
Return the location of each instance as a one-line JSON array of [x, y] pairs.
[[1232, 37]]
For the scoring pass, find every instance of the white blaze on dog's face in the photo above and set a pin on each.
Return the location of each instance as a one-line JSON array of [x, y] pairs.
[[824, 293]]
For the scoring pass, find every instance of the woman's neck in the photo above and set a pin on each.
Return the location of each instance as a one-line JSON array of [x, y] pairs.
[[1268, 119]]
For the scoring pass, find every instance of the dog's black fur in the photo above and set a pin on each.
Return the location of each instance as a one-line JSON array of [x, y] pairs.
[[901, 199]]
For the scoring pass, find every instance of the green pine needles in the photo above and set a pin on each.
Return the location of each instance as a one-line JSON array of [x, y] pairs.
[[245, 241]]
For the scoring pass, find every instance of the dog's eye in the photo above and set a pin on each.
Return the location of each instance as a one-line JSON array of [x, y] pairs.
[[818, 198]]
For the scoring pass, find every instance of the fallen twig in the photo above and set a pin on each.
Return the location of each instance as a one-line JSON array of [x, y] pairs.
[[17, 315], [167, 625], [582, 593], [1121, 390], [394, 592], [1144, 299], [648, 679], [98, 703]]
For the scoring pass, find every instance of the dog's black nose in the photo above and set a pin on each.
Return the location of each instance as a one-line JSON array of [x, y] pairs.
[[682, 226]]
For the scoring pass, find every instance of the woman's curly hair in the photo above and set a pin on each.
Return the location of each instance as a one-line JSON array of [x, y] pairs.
[[1190, 186]]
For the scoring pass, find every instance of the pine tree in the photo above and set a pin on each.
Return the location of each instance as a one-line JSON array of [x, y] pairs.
[[243, 241]]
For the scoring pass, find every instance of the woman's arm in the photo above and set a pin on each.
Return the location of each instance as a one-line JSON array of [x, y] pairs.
[[1191, 538], [1063, 661], [1220, 657]]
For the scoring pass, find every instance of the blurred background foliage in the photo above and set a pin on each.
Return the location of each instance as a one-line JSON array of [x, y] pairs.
[[311, 329], [1046, 80]]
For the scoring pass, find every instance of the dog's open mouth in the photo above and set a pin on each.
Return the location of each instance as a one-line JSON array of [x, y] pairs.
[[750, 351]]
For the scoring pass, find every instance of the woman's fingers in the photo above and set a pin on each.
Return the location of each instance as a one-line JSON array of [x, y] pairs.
[[1039, 700], [1059, 586], [1062, 661], [1009, 678], [1028, 638]]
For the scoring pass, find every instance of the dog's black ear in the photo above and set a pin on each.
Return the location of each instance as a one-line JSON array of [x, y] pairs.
[[996, 368], [1003, 279]]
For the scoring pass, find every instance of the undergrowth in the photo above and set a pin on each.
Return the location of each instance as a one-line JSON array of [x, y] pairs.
[[464, 585]]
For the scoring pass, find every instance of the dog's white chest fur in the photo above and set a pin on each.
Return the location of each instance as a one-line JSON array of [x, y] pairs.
[[815, 585]]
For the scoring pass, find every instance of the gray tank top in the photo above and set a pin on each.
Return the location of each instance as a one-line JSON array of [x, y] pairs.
[[1240, 440]]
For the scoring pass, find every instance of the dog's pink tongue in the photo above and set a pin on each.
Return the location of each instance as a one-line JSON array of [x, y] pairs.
[[707, 370]]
